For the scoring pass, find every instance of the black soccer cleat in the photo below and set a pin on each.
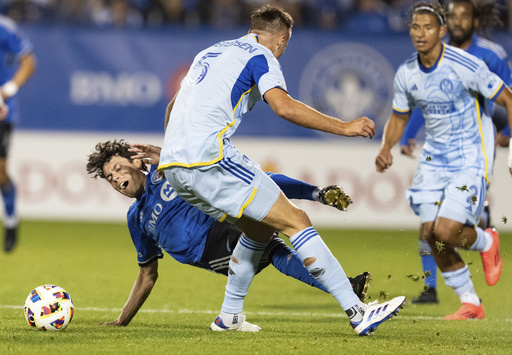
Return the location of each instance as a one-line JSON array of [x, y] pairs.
[[10, 238], [426, 297], [360, 284], [334, 196]]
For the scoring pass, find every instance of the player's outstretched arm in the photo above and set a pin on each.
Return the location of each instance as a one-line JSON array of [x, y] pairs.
[[140, 292], [392, 134], [303, 115]]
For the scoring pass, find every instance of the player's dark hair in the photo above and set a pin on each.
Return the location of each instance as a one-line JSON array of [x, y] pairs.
[[433, 8], [104, 152], [485, 11], [270, 18]]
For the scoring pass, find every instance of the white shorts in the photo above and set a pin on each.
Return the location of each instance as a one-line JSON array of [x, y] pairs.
[[458, 196], [228, 189]]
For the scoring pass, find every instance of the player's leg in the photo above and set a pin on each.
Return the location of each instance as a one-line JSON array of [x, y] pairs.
[[429, 295], [321, 264], [8, 190], [332, 195]]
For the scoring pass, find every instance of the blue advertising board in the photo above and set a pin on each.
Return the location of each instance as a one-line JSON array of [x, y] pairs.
[[121, 81]]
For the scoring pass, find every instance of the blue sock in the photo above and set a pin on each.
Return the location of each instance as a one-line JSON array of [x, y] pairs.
[[293, 189], [288, 262], [9, 195], [324, 267], [429, 264], [242, 268]]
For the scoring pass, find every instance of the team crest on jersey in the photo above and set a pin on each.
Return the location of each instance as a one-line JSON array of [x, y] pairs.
[[156, 177], [446, 85], [167, 193], [348, 80]]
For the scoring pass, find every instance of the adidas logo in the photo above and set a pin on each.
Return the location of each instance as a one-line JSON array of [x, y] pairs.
[[414, 88]]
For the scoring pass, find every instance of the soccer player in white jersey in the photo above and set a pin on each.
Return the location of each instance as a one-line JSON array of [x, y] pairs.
[[224, 82], [449, 85], [465, 18]]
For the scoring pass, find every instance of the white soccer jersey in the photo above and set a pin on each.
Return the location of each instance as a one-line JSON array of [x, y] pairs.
[[224, 82], [450, 95]]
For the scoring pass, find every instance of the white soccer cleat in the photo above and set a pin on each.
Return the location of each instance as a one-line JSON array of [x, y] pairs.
[[376, 314], [243, 326]]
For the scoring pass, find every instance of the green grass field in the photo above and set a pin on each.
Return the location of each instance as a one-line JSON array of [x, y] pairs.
[[96, 264]]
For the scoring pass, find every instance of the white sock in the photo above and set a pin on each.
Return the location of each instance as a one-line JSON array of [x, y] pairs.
[[324, 267], [242, 268], [483, 241], [460, 281]]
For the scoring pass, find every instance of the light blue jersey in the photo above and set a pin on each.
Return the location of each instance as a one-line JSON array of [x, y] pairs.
[[13, 46], [223, 83], [451, 96]]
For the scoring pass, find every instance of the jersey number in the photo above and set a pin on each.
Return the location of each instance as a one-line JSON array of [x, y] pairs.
[[202, 65]]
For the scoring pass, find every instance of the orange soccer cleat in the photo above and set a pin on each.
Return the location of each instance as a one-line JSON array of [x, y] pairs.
[[467, 311], [491, 259]]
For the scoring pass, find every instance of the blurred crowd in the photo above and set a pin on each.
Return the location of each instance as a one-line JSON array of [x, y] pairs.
[[372, 16]]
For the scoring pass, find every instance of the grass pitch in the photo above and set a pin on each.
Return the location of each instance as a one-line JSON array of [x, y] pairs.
[[96, 264]]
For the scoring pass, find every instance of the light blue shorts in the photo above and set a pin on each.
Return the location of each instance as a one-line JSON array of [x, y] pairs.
[[228, 189], [458, 196]]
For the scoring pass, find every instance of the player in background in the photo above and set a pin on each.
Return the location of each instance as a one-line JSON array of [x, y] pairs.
[[206, 170], [449, 186], [17, 64], [187, 234], [463, 19]]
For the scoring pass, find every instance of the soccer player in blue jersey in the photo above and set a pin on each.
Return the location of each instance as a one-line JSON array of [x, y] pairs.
[[160, 219], [17, 64], [449, 86], [223, 83], [463, 19]]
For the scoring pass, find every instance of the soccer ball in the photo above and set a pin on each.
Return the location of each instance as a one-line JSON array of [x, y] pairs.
[[48, 307]]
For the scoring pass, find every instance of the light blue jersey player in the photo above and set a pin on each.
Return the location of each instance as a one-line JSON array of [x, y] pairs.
[[450, 87], [17, 64], [222, 84], [159, 220], [464, 17]]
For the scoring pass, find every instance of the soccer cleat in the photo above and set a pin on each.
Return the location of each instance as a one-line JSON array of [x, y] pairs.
[[10, 239], [467, 311], [491, 259], [360, 284], [427, 296], [334, 196], [376, 314], [243, 326]]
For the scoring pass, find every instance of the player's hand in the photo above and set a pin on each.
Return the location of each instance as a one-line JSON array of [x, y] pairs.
[[115, 323], [362, 126], [409, 148], [501, 140], [384, 160], [150, 154]]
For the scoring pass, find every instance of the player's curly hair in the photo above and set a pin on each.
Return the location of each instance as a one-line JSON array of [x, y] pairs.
[[270, 18], [486, 11], [104, 152], [433, 8]]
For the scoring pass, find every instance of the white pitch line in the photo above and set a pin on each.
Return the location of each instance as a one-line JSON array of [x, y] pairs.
[[257, 313]]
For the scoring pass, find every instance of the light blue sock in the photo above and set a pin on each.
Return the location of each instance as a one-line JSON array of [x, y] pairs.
[[324, 267], [242, 268], [460, 282], [483, 241], [428, 263]]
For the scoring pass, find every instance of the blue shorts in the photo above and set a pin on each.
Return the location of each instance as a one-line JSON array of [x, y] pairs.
[[458, 196], [228, 189]]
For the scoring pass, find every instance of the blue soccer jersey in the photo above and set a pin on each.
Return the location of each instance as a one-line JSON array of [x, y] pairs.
[[13, 46], [223, 83], [161, 219], [451, 96]]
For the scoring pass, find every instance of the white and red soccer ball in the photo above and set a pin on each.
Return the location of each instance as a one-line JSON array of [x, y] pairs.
[[48, 307]]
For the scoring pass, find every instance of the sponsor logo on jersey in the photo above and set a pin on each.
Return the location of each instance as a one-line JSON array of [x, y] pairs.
[[348, 80]]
